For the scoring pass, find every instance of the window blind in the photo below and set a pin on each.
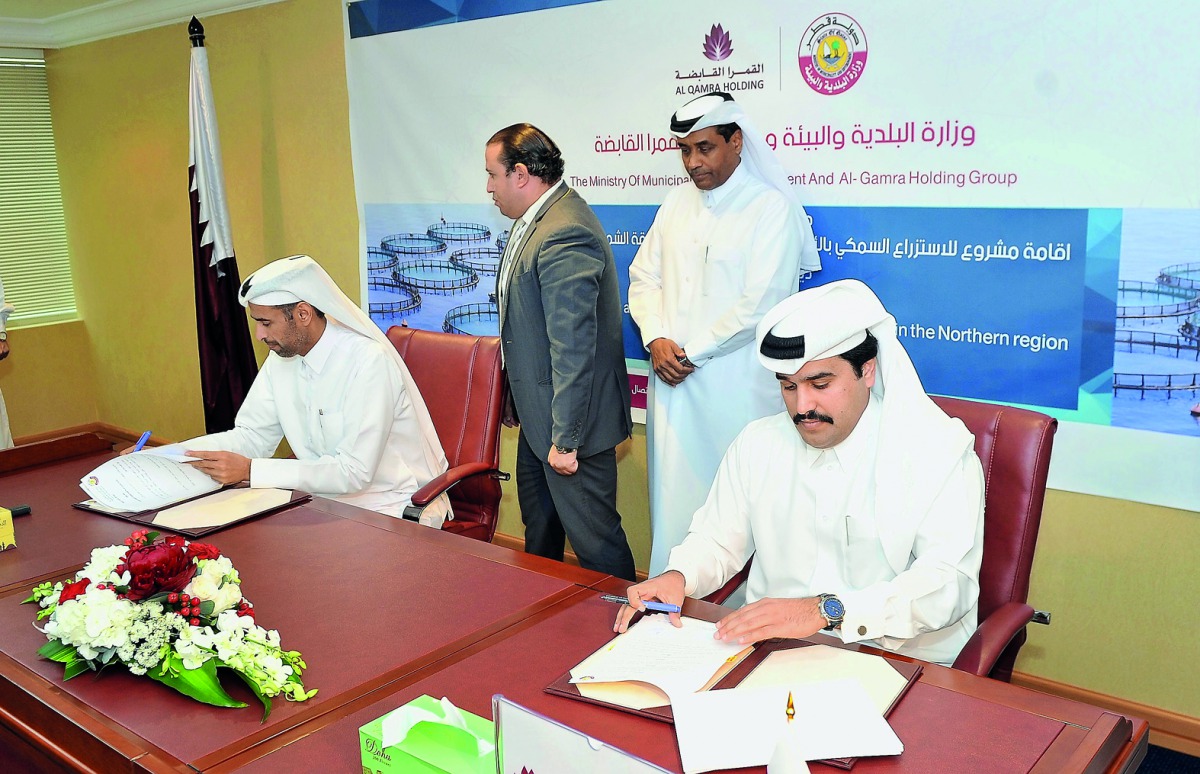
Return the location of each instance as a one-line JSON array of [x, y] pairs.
[[34, 263]]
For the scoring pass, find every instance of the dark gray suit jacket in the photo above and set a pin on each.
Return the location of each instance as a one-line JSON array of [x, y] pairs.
[[562, 332]]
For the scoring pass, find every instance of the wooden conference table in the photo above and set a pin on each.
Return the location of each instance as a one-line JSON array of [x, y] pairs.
[[386, 610]]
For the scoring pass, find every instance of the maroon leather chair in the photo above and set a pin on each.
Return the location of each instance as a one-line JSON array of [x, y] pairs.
[[1014, 448], [463, 385]]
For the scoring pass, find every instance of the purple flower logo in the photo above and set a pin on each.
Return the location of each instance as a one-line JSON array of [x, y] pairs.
[[717, 44]]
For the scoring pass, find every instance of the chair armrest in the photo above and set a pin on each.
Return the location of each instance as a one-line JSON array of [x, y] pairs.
[[426, 494], [981, 652]]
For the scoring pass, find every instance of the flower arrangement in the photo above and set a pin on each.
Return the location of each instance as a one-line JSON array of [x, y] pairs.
[[171, 610]]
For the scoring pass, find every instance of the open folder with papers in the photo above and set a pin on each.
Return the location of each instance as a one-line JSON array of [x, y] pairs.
[[159, 488], [210, 512], [639, 674]]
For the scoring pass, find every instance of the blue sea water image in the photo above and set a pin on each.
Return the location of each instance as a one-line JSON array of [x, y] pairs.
[[1156, 366]]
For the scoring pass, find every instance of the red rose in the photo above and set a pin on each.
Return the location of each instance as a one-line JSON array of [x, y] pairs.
[[163, 566], [72, 590], [200, 551]]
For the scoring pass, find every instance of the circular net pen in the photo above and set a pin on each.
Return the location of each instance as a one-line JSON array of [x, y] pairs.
[[1181, 275], [1140, 300], [460, 232], [389, 298], [412, 244], [502, 240], [437, 277], [380, 261], [473, 319], [485, 260]]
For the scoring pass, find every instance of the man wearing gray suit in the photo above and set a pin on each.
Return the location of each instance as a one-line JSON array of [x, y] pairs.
[[560, 332]]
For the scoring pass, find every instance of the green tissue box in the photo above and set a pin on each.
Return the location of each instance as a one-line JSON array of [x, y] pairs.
[[431, 741]]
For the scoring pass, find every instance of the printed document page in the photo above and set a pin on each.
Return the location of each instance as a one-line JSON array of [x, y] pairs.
[[652, 651], [144, 482]]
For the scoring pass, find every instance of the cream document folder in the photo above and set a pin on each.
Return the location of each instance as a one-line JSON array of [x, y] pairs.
[[224, 507]]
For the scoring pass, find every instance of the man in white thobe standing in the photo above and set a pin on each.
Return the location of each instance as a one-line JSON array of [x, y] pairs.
[[723, 250], [336, 388]]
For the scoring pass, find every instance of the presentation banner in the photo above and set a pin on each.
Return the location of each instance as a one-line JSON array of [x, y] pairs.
[[1019, 190]]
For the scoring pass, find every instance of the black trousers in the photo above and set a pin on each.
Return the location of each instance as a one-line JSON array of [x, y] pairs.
[[582, 507]]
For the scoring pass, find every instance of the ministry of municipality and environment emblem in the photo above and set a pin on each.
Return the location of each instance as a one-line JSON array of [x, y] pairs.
[[833, 53]]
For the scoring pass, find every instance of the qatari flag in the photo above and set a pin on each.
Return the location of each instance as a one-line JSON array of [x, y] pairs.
[[227, 365]]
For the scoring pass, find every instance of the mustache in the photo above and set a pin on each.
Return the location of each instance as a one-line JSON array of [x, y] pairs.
[[811, 415]]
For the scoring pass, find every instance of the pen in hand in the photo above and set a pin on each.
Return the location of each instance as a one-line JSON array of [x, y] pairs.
[[137, 447], [657, 607]]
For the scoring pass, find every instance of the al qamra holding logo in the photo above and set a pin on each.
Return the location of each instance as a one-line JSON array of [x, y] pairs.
[[833, 53]]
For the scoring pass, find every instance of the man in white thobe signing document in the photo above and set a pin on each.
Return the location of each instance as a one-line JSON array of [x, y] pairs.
[[862, 502], [723, 249], [336, 388]]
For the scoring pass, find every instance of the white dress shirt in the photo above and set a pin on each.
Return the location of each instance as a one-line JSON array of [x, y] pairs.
[[711, 266], [809, 518], [345, 413]]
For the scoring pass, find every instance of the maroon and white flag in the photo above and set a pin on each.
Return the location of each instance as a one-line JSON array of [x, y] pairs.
[[227, 364]]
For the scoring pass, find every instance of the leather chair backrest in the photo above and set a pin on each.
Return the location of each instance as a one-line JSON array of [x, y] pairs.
[[1014, 447], [462, 382]]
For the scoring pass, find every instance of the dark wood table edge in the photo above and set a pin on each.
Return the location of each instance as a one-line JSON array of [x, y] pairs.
[[20, 458]]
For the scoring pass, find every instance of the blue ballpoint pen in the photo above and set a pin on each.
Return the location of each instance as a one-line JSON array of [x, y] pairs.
[[141, 441], [658, 607]]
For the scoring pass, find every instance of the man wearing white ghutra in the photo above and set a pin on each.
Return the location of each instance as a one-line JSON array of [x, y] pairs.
[[723, 249]]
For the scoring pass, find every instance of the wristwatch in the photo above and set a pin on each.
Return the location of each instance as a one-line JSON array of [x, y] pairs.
[[832, 610], [563, 449], [3, 335]]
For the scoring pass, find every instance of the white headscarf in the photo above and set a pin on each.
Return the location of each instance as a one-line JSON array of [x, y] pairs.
[[300, 278], [719, 108], [918, 443]]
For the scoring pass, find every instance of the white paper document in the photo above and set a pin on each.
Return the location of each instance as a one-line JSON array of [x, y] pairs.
[[144, 482], [821, 663], [653, 661], [172, 451], [220, 508], [739, 727]]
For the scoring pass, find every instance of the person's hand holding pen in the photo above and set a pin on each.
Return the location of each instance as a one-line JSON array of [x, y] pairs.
[[667, 588]]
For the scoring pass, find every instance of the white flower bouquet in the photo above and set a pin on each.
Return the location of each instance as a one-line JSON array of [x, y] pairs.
[[171, 610]]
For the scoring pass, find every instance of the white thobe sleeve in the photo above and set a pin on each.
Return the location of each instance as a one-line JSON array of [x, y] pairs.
[[941, 585], [256, 430], [719, 542], [772, 273], [373, 393], [645, 287]]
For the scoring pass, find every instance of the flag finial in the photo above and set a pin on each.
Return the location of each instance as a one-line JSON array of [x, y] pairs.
[[196, 32]]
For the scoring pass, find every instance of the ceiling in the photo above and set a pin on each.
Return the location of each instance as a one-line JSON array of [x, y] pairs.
[[61, 23]]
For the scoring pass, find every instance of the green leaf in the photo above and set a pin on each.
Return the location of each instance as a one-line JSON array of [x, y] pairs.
[[76, 668], [200, 684], [55, 650], [266, 700], [206, 608]]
